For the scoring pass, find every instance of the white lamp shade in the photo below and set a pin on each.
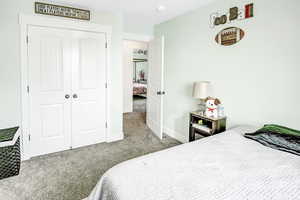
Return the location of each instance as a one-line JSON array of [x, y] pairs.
[[201, 89]]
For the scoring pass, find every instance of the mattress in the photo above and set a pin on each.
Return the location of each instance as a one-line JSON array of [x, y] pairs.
[[222, 167]]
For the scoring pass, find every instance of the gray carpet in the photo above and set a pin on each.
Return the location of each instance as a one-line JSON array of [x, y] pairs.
[[139, 104], [71, 175]]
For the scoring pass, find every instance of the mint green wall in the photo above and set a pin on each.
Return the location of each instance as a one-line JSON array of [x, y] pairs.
[[257, 79]]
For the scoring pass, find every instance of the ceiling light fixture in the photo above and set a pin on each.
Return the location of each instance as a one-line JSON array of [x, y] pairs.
[[161, 8]]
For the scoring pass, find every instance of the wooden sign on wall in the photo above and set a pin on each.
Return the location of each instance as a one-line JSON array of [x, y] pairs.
[[61, 11]]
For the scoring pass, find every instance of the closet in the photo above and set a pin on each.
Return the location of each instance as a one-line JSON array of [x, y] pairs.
[[67, 88]]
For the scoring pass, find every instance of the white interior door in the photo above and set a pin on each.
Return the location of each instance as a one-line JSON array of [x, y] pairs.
[[49, 57], [155, 86], [88, 88]]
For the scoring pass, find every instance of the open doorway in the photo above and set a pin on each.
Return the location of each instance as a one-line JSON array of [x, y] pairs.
[[143, 72], [135, 76], [140, 77]]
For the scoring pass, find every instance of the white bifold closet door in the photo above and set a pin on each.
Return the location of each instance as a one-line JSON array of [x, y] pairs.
[[67, 77]]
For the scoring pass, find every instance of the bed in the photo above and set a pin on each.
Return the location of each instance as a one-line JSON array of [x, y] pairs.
[[139, 89], [222, 167]]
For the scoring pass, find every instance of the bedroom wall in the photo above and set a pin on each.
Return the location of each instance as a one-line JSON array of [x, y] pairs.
[[128, 47], [256, 79], [10, 99]]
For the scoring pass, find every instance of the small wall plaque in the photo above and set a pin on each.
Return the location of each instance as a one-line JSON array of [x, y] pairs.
[[234, 13], [230, 36], [61, 11]]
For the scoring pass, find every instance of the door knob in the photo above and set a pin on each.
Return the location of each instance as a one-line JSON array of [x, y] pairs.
[[75, 96], [160, 93], [67, 96]]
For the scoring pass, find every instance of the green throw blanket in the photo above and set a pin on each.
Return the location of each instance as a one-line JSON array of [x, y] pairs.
[[277, 137]]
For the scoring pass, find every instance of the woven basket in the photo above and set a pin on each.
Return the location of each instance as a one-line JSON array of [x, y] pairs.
[[10, 157]]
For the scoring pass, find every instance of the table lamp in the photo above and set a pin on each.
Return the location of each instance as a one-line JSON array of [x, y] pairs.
[[201, 91]]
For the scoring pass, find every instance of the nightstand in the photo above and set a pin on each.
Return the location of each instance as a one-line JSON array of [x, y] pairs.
[[205, 126]]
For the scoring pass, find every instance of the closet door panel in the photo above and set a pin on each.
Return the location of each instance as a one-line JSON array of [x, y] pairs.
[[88, 88], [49, 80], [88, 63]]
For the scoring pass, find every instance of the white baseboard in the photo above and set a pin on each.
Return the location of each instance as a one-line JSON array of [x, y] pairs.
[[176, 135], [115, 138]]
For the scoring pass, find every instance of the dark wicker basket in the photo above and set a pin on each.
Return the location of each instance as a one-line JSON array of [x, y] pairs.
[[10, 160]]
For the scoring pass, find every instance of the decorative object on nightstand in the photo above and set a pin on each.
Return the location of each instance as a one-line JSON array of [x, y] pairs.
[[212, 107], [205, 126], [202, 90], [208, 105]]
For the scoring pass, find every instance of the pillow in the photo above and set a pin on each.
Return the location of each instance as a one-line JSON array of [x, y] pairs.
[[277, 137]]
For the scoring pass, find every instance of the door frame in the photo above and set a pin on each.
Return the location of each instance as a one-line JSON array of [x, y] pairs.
[[52, 22]]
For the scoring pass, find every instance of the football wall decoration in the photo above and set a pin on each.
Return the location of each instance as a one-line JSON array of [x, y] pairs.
[[230, 36]]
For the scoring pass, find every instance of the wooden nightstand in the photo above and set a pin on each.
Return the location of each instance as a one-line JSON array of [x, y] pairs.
[[205, 126]]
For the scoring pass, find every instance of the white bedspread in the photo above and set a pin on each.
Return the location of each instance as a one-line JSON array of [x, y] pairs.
[[223, 167]]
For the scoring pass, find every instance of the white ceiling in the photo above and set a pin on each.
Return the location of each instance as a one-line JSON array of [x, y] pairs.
[[140, 11]]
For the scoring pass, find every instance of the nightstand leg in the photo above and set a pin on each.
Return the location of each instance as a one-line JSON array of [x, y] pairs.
[[191, 135], [191, 131]]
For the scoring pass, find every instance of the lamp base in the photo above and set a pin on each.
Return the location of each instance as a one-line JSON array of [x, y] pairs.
[[202, 105]]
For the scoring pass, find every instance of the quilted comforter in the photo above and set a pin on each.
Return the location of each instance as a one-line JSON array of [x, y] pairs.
[[222, 167]]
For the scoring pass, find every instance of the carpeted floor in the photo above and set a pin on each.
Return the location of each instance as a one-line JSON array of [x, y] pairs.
[[139, 104], [71, 175]]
